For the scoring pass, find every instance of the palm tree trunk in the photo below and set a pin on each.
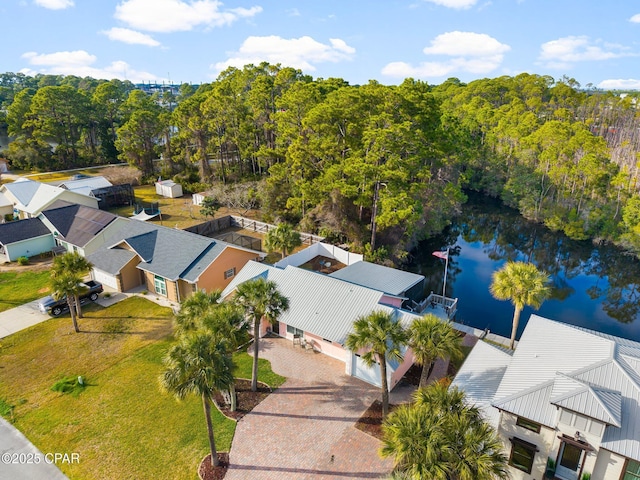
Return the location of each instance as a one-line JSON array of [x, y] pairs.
[[427, 368], [72, 311], [383, 385], [256, 348], [212, 440], [234, 398], [514, 328], [78, 307]]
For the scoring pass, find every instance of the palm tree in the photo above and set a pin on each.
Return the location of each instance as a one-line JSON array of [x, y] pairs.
[[283, 238], [260, 299], [68, 284], [440, 437], [431, 338], [199, 364], [382, 336], [523, 284], [194, 308], [75, 263]]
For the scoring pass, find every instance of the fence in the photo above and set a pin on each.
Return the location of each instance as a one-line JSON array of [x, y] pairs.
[[241, 240], [262, 227], [210, 228]]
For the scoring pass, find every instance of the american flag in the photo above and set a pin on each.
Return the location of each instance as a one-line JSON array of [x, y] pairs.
[[442, 255]]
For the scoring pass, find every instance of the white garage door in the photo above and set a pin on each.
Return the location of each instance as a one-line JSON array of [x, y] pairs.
[[363, 372], [105, 278]]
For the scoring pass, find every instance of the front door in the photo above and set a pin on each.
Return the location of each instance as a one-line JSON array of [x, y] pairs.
[[569, 463]]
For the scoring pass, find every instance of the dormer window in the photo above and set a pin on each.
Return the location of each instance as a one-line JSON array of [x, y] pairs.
[[528, 424]]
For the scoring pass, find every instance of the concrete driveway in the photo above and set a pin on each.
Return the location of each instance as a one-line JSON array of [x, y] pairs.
[[19, 318], [305, 429]]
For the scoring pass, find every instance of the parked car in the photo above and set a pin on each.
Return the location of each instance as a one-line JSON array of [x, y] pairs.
[[58, 307]]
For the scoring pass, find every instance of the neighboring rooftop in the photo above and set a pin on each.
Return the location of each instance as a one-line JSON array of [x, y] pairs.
[[11, 232], [556, 364], [86, 185], [385, 279], [77, 224]]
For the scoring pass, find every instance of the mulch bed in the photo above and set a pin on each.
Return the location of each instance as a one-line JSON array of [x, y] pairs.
[[371, 421], [207, 472], [412, 377], [247, 400]]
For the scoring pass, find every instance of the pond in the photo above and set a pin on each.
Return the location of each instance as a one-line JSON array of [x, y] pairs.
[[596, 287]]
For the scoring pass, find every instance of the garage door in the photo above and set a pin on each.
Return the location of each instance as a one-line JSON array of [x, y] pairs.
[[105, 278], [363, 372]]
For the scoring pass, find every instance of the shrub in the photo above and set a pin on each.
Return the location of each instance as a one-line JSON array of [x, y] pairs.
[[8, 217], [22, 261], [70, 385]]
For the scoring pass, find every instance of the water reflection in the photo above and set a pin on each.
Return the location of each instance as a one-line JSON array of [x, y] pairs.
[[594, 287]]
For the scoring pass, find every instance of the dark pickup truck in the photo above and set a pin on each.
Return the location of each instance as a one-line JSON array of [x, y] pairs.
[[58, 307]]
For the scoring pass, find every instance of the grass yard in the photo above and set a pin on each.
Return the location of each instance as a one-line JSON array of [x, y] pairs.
[[121, 424], [18, 288]]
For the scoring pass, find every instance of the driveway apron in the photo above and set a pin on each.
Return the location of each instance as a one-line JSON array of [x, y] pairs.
[[305, 429]]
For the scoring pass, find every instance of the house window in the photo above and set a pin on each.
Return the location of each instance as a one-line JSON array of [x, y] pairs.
[[522, 454], [528, 424], [294, 331], [632, 472], [229, 273], [161, 285]]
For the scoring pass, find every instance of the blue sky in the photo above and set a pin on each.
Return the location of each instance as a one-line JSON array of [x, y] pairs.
[[595, 42]]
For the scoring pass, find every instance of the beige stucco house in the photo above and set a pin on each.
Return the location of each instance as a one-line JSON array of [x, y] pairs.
[[567, 394]]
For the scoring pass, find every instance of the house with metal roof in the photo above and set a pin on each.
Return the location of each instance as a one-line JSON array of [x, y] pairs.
[[77, 228], [321, 313], [397, 285], [567, 394], [24, 238], [87, 185], [30, 198], [169, 262]]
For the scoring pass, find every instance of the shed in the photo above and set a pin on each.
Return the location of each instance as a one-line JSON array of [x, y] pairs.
[[169, 188]]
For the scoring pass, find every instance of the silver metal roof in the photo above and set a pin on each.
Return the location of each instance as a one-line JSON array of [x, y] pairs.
[[551, 358], [480, 376], [318, 304], [378, 277]]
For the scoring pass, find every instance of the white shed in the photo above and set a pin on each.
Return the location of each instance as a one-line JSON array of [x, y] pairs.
[[169, 188]]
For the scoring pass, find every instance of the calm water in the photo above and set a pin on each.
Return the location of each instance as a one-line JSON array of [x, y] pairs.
[[594, 287]]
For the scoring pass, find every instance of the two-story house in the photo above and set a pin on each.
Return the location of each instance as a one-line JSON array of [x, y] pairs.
[[567, 394]]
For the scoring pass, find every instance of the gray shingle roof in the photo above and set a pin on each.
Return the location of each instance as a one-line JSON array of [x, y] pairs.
[[11, 232], [385, 279], [78, 224]]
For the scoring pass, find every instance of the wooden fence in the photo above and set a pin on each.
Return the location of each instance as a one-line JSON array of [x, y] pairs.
[[262, 227]]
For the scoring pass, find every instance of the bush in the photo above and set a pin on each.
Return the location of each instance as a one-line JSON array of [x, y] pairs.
[[70, 385], [8, 217], [22, 261]]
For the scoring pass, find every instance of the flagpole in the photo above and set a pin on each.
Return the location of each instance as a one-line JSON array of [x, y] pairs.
[[444, 284]]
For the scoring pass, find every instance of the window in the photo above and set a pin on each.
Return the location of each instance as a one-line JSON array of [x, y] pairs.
[[522, 454], [632, 472], [528, 424], [161, 285], [229, 273], [294, 331]]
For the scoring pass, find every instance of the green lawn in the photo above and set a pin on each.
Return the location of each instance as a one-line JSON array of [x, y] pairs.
[[121, 424], [19, 288]]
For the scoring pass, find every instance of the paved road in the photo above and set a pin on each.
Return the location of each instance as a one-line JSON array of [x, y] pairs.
[[15, 454]]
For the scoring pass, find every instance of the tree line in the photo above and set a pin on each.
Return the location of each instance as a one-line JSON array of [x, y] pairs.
[[380, 166]]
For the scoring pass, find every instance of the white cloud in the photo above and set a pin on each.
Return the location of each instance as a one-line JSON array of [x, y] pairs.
[[54, 4], [178, 15], [470, 52], [130, 36], [80, 63], [564, 52], [300, 53], [457, 4], [635, 18], [620, 84]]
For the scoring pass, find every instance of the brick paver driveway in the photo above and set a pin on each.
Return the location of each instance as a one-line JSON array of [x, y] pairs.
[[305, 429]]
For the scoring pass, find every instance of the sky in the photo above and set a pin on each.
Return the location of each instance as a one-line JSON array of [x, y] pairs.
[[191, 41]]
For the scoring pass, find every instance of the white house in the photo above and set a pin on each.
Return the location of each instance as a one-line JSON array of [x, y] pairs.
[[567, 394]]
